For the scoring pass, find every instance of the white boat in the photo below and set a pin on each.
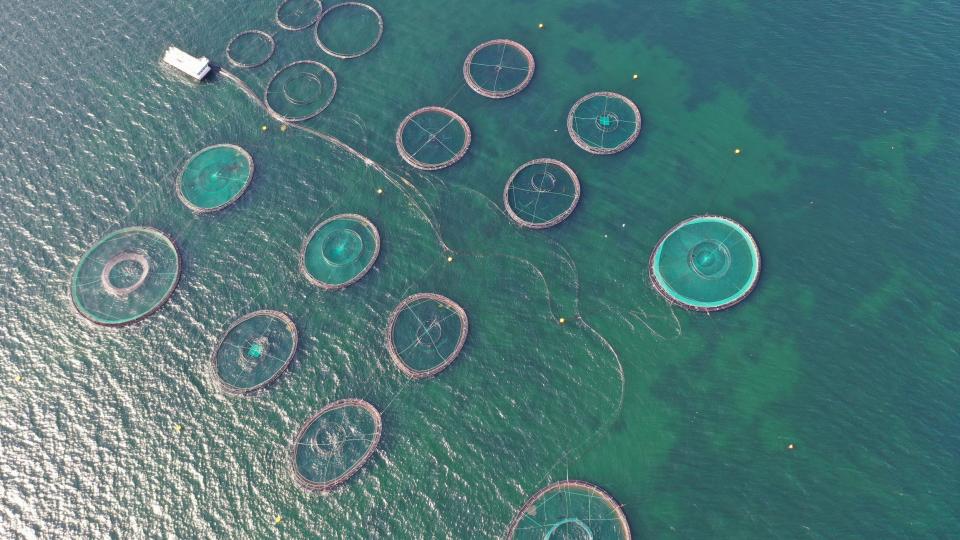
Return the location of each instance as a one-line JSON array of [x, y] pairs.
[[195, 68]]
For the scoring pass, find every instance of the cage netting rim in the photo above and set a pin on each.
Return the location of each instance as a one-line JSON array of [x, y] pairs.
[[423, 166], [309, 485], [306, 242], [570, 484], [157, 305], [579, 141], [417, 374], [745, 291], [203, 210], [244, 391], [551, 222], [493, 94], [245, 65], [345, 56], [283, 118], [285, 26]]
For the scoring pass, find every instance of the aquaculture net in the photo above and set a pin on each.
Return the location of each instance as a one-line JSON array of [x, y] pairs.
[[541, 193], [349, 29], [300, 91], [432, 138], [498, 68], [425, 333], [254, 351], [570, 510], [215, 177], [603, 123], [339, 251], [334, 444]]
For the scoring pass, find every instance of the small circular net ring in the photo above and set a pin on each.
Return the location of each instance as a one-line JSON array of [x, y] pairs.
[[120, 294], [249, 65], [127, 256], [745, 290], [336, 286], [263, 349], [511, 212], [614, 123], [409, 371], [346, 56], [542, 529], [197, 209], [424, 166], [296, 28], [309, 485], [494, 93], [273, 112]]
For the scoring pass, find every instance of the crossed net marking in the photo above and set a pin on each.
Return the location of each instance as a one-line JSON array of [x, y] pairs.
[[433, 136], [418, 341], [567, 494], [536, 203], [499, 66], [593, 119], [338, 458]]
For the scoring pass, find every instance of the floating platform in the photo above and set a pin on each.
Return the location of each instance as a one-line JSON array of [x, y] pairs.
[[191, 66]]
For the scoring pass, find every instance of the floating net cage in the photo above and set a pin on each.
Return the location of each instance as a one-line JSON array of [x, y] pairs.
[[705, 263], [300, 91], [541, 193], [297, 15], [126, 276], [250, 49], [498, 68], [570, 509], [339, 251], [254, 351], [425, 333], [603, 123], [433, 138], [334, 444], [349, 29], [215, 177]]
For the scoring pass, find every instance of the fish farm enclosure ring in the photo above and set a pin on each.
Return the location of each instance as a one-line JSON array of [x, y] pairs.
[[339, 251], [498, 68], [295, 15], [603, 123], [432, 138], [334, 444], [215, 177], [705, 263], [570, 509], [300, 91], [126, 276], [325, 36], [425, 333], [254, 351], [541, 193], [251, 39]]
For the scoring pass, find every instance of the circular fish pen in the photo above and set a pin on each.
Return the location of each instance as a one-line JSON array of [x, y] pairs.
[[604, 123], [126, 276], [215, 177], [498, 68], [300, 91], [250, 49], [705, 263], [433, 138], [570, 509], [254, 351], [356, 37], [339, 251], [541, 193], [295, 15], [334, 444], [423, 329]]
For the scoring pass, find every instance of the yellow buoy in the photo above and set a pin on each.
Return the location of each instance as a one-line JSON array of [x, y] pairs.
[[277, 520], [736, 151], [263, 128], [19, 378], [379, 191], [449, 259], [635, 76], [283, 127], [790, 446], [540, 25], [562, 320], [177, 428]]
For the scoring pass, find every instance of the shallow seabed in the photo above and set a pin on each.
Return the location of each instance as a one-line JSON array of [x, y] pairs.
[[848, 348]]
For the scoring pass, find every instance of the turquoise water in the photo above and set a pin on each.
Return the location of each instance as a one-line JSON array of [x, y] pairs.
[[847, 349]]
